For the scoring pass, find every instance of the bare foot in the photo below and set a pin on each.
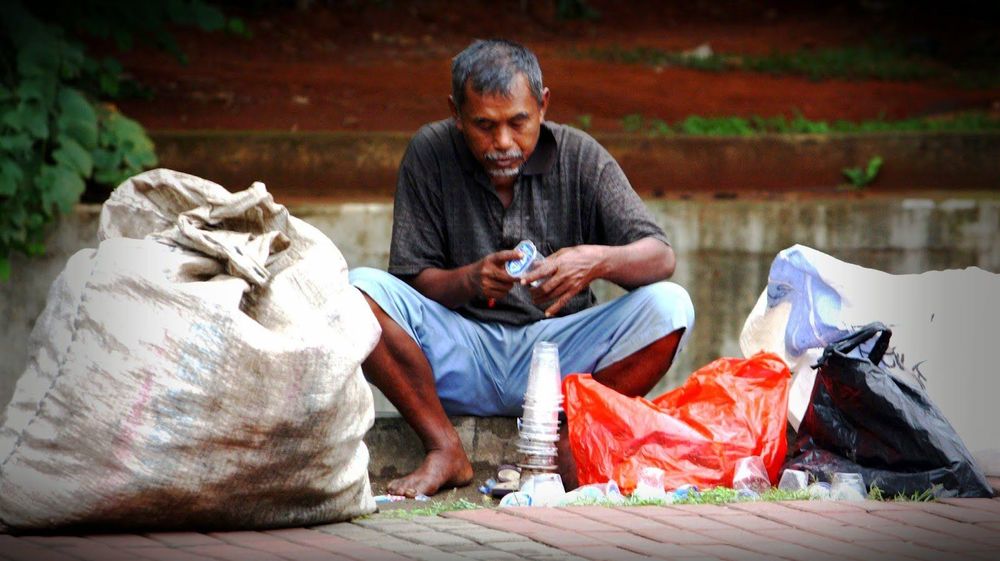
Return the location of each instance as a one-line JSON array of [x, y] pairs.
[[441, 468]]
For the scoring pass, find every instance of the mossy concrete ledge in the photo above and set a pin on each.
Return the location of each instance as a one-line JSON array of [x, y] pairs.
[[363, 165]]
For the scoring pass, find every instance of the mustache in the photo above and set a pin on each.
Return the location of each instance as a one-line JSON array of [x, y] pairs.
[[512, 154]]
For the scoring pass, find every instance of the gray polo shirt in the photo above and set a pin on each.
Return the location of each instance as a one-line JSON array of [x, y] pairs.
[[447, 213]]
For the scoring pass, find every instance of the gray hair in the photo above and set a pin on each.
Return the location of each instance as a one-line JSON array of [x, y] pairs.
[[491, 66]]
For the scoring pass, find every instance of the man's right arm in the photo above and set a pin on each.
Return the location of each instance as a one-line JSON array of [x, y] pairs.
[[485, 278]]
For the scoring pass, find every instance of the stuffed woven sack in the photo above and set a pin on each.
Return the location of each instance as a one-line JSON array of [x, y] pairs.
[[199, 369]]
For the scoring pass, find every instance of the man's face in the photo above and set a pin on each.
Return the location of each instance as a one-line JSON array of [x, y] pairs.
[[501, 131]]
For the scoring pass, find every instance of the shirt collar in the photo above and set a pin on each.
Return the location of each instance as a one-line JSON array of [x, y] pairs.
[[541, 160]]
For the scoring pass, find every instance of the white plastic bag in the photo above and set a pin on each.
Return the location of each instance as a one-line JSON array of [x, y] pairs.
[[944, 326], [200, 368]]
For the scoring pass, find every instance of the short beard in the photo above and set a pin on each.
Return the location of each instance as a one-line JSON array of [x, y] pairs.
[[504, 172], [508, 155]]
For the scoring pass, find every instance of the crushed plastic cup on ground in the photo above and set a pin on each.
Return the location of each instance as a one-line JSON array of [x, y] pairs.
[[517, 498], [650, 484], [607, 492], [848, 487], [819, 490], [793, 480], [546, 489], [685, 492], [379, 499], [751, 474]]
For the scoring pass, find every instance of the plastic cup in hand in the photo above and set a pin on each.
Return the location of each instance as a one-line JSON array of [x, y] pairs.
[[750, 474], [793, 480], [848, 487], [530, 260]]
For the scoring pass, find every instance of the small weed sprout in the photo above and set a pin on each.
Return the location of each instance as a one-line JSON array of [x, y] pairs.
[[860, 178]]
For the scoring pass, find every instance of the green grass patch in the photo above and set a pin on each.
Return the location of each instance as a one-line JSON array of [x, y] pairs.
[[865, 62], [432, 508], [797, 124], [714, 496]]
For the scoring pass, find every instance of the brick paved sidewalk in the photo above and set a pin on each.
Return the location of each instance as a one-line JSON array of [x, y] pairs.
[[799, 530]]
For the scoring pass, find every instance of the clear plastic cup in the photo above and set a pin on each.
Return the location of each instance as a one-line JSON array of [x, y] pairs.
[[516, 498], [819, 490], [751, 474], [650, 484], [544, 386], [541, 414], [793, 480], [536, 448], [545, 488], [595, 492], [848, 487], [530, 260]]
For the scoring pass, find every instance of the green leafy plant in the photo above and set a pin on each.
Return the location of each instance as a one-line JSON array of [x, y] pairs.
[[658, 127], [584, 122], [976, 121], [928, 495], [575, 9], [735, 126], [55, 134], [632, 122], [852, 63], [862, 177]]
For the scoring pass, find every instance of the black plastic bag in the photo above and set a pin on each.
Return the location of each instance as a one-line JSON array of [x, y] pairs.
[[862, 419]]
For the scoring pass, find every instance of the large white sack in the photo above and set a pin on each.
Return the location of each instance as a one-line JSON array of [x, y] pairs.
[[944, 333], [200, 368]]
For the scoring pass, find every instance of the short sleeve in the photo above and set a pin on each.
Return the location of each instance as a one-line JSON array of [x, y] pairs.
[[618, 216], [418, 239]]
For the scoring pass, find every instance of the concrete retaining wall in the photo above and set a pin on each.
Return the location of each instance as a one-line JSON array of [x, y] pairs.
[[724, 247]]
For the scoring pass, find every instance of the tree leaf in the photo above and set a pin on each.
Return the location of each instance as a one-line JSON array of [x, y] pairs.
[[61, 187], [874, 165], [39, 57], [74, 156], [4, 268], [77, 118], [209, 18], [238, 27], [10, 177], [28, 118], [15, 142]]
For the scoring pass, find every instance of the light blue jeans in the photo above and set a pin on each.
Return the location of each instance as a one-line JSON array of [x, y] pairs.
[[482, 368]]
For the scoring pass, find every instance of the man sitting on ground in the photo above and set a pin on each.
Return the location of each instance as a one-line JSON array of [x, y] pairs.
[[457, 329]]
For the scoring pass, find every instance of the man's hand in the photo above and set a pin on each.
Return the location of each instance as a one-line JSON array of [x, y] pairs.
[[490, 274], [486, 278], [566, 273], [570, 270]]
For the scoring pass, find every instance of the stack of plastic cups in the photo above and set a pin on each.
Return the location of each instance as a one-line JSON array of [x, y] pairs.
[[539, 427]]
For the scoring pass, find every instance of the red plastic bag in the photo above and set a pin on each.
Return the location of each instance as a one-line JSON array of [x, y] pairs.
[[727, 410]]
